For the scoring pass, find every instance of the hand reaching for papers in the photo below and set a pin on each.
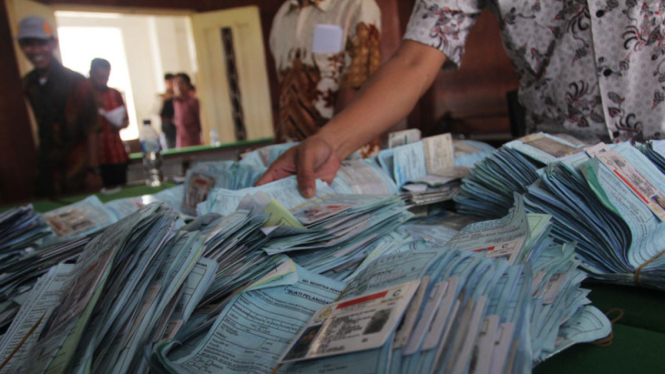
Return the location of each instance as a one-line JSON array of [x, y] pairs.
[[312, 159]]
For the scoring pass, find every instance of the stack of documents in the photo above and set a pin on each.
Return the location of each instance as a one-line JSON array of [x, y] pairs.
[[609, 200], [338, 230], [133, 285], [18, 276], [655, 151], [469, 152], [420, 309], [254, 328], [606, 198], [20, 228], [331, 285], [488, 190]]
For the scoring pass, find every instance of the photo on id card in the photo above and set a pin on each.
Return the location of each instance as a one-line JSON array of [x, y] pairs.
[[356, 324], [69, 222], [199, 187]]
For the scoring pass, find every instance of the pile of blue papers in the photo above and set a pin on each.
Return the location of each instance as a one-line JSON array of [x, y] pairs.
[[606, 198]]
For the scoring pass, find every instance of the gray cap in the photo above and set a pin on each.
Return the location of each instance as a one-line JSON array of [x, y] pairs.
[[34, 27]]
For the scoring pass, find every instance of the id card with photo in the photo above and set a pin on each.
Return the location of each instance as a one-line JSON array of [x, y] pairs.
[[197, 191], [352, 325], [69, 222]]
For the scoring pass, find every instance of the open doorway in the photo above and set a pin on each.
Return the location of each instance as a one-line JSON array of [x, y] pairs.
[[221, 50], [140, 48]]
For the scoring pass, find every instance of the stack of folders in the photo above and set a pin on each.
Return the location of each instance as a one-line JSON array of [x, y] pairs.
[[129, 287], [33, 243], [19, 229], [488, 190], [252, 290], [410, 307], [607, 198]]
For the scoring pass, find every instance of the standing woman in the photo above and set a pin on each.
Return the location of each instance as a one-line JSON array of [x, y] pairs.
[[186, 113]]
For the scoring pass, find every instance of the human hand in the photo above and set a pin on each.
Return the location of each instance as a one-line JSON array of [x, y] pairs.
[[312, 159]]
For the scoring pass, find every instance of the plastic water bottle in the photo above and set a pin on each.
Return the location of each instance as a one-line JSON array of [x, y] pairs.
[[214, 138], [152, 156]]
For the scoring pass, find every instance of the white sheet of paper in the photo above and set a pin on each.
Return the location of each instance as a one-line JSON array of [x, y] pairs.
[[433, 302], [405, 328], [439, 153], [116, 116], [399, 138]]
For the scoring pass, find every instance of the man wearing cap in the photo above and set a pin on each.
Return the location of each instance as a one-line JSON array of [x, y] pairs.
[[66, 113]]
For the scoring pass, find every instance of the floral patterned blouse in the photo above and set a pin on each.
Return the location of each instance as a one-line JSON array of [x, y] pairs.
[[594, 69]]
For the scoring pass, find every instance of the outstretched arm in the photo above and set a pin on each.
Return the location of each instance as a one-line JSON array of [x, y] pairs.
[[387, 97]]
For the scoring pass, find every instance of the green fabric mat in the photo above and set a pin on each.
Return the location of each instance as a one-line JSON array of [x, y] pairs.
[[642, 308], [633, 350]]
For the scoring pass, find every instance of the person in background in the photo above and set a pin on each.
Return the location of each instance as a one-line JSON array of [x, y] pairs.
[[186, 112], [324, 51], [113, 158], [166, 113], [66, 115]]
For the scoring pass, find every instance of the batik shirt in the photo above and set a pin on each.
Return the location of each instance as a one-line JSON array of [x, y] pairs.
[[309, 82], [594, 69]]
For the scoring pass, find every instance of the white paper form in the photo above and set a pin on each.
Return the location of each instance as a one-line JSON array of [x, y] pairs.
[[647, 231], [115, 116], [409, 163], [404, 137], [286, 191], [79, 218], [41, 300], [391, 270], [498, 238], [257, 326], [197, 282], [587, 325], [366, 179], [439, 154]]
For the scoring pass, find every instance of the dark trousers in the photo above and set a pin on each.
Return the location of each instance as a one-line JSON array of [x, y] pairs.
[[114, 174]]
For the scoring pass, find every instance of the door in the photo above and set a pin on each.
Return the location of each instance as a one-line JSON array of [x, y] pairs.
[[233, 81]]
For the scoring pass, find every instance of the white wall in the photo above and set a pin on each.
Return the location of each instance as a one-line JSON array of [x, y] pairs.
[[153, 45]]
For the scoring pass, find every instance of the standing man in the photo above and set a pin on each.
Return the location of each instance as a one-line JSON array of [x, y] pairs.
[[66, 114], [324, 51], [186, 113], [113, 158]]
